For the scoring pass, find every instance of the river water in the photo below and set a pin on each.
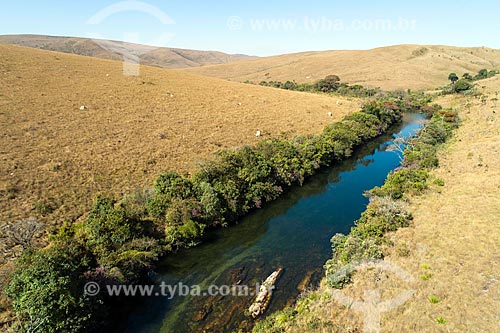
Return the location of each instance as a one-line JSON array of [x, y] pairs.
[[292, 232]]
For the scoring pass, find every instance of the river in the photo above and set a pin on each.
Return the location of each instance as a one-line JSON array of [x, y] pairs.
[[292, 232]]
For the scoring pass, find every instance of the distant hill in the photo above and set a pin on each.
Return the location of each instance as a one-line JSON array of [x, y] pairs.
[[162, 57], [393, 67]]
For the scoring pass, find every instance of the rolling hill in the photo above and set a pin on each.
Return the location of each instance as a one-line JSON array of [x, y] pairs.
[[152, 56], [393, 67], [73, 127]]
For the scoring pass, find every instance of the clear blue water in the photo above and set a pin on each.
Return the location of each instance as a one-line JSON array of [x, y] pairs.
[[293, 232]]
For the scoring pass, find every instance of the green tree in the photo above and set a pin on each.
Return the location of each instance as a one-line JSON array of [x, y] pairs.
[[453, 77], [462, 85], [482, 74], [106, 228], [467, 76], [47, 291], [329, 83]]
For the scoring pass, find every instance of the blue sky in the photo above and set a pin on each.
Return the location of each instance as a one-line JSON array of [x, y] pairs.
[[264, 27]]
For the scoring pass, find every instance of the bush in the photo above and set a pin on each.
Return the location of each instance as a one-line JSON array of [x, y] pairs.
[[461, 86], [363, 242], [467, 77], [180, 212], [482, 74], [453, 77], [184, 235], [106, 228], [210, 203], [135, 204], [422, 155], [406, 180], [47, 291], [117, 241], [288, 165], [174, 185], [347, 251], [382, 215], [328, 84]]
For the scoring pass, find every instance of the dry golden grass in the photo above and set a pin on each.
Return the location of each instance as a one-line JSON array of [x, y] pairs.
[[454, 245], [134, 128], [394, 67]]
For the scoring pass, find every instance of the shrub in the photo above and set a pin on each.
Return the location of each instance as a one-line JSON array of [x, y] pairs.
[[329, 84], [461, 86], [106, 228], [288, 165], [20, 233], [134, 257], [364, 125], [467, 77], [117, 241], [135, 204], [47, 291], [180, 212], [174, 185], [433, 299], [388, 112], [429, 110], [437, 132], [448, 115], [184, 235], [382, 215], [347, 250], [406, 180], [423, 155], [210, 202], [482, 74]]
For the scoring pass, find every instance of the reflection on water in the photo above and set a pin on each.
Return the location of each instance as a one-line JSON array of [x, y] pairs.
[[293, 232]]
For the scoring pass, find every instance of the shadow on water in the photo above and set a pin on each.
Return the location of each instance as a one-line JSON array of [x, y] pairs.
[[292, 232]]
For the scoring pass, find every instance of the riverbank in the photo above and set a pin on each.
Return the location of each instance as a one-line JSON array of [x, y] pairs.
[[293, 233], [450, 251], [120, 241]]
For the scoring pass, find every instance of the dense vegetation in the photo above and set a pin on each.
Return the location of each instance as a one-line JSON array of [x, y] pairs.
[[120, 241], [386, 212], [330, 84], [465, 84]]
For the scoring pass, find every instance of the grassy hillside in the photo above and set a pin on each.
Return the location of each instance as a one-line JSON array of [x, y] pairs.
[[56, 158], [394, 67], [162, 57]]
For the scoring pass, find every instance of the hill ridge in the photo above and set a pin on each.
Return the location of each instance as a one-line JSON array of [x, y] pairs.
[[155, 56]]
